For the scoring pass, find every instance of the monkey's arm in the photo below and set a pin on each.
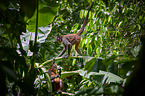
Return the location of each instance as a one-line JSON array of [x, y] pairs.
[[54, 77], [67, 45]]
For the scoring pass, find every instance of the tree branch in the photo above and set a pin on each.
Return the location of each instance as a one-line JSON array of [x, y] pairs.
[[60, 58]]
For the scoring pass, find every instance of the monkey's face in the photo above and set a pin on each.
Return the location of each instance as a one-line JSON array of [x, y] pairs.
[[54, 67], [59, 39]]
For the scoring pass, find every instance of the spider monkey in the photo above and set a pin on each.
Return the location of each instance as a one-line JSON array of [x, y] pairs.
[[72, 39], [55, 79]]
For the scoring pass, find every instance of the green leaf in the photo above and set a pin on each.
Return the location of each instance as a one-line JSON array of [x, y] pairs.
[[46, 14], [89, 49], [48, 79], [69, 73], [26, 37], [9, 72], [89, 64], [82, 43], [28, 7], [82, 12], [110, 19], [86, 90], [99, 78], [120, 24], [104, 21], [87, 75], [139, 27], [112, 77], [74, 29], [122, 2]]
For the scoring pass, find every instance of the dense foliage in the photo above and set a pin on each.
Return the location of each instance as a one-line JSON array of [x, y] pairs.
[[110, 45]]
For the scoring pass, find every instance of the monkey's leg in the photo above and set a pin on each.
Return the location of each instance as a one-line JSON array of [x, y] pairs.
[[77, 49], [68, 46], [63, 51], [69, 49]]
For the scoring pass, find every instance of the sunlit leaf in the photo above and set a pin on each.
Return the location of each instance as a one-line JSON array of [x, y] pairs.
[[45, 16], [120, 24], [139, 27], [68, 73], [112, 77], [48, 79]]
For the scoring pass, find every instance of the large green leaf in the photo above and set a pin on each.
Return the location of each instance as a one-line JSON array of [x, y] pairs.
[[112, 77], [28, 7], [47, 12]]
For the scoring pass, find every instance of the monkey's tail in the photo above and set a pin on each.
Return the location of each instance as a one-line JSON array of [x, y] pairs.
[[85, 22]]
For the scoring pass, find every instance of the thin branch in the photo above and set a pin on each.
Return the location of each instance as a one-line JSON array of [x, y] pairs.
[[65, 93], [60, 58]]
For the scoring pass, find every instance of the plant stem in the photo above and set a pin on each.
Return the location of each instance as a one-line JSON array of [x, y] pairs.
[[35, 42]]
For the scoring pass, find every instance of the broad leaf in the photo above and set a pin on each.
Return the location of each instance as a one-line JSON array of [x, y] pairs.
[[89, 64], [112, 77], [28, 7], [46, 14]]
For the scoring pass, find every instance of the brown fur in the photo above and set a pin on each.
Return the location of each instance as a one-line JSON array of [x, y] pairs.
[[72, 37]]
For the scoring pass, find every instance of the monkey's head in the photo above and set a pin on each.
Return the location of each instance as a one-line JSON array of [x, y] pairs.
[[53, 67], [59, 38]]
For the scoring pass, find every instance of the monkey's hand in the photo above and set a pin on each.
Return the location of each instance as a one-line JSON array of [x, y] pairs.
[[54, 77], [60, 91]]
